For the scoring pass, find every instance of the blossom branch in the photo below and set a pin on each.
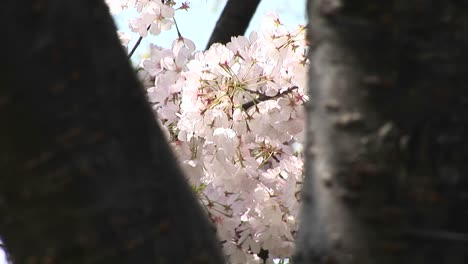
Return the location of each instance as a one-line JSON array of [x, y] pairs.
[[264, 97]]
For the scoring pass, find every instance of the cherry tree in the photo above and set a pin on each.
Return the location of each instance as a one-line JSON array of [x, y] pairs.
[[87, 175], [96, 182]]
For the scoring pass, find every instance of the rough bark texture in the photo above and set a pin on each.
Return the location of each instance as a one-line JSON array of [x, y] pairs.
[[387, 150], [233, 21], [85, 173]]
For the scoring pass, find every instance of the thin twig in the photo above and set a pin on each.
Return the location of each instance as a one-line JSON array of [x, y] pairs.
[[137, 44], [263, 98], [177, 28]]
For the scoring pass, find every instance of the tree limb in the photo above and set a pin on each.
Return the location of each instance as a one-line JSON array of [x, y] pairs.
[[233, 21]]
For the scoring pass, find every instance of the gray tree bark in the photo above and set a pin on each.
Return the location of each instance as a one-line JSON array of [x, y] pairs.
[[387, 149], [86, 175]]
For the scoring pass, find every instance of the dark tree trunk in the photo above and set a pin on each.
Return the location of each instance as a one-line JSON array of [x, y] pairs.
[[85, 173], [233, 21], [387, 150]]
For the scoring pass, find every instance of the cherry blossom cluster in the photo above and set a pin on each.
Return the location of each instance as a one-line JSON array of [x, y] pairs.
[[154, 17], [233, 115]]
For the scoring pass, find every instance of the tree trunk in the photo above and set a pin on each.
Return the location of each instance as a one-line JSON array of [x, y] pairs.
[[386, 153], [85, 173]]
